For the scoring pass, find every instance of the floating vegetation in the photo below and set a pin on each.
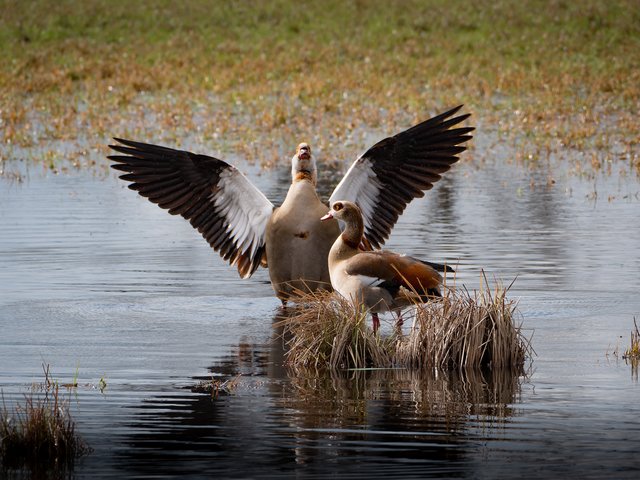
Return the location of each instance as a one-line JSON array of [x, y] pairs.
[[461, 330], [40, 434], [215, 386], [102, 384]]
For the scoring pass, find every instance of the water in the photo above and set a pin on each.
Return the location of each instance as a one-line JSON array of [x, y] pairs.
[[97, 280]]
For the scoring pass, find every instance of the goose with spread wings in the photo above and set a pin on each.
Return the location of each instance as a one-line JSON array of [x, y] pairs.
[[247, 230]]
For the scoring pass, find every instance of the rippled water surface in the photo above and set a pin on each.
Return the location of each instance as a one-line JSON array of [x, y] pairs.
[[97, 280]]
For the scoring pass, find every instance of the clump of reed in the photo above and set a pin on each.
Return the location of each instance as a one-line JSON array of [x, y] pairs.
[[459, 330], [465, 329], [40, 434], [633, 352], [327, 330]]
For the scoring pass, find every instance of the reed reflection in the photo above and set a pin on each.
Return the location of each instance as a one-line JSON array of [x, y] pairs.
[[282, 416], [444, 401]]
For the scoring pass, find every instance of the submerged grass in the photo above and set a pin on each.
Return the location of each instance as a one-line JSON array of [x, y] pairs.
[[459, 331], [40, 434], [255, 78]]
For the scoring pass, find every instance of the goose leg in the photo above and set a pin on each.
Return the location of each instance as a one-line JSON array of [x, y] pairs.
[[376, 322]]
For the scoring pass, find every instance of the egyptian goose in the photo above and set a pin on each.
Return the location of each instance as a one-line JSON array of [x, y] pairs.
[[240, 223], [380, 280]]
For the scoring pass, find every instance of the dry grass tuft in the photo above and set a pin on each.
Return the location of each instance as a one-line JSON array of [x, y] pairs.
[[41, 433], [461, 330], [327, 330], [465, 330], [633, 352]]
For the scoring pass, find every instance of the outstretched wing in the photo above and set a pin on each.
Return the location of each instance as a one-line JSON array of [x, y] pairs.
[[218, 200], [400, 168]]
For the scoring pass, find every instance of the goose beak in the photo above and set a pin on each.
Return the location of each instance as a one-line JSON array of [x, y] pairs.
[[327, 216], [303, 151]]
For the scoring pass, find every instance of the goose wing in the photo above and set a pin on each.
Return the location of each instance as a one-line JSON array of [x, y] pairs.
[[384, 268], [371, 268], [216, 198], [400, 168]]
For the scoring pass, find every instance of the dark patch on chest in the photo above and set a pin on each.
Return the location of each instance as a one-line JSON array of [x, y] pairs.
[[302, 235]]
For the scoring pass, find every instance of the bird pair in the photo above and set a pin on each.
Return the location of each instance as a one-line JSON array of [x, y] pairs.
[[248, 231]]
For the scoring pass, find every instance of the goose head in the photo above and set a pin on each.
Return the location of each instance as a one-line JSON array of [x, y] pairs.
[[303, 165], [351, 215], [348, 212]]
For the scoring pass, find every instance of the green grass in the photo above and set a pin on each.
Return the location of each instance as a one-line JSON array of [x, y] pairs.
[[272, 73]]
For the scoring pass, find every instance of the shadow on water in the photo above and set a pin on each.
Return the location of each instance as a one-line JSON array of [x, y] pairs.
[[277, 419]]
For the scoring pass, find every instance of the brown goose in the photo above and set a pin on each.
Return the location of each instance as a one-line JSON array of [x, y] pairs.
[[380, 280], [240, 223]]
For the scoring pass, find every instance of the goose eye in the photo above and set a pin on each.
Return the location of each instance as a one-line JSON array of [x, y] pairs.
[[337, 206]]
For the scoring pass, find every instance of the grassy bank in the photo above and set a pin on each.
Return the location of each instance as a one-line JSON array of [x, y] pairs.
[[254, 78]]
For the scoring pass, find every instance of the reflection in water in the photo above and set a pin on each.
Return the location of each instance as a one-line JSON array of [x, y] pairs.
[[520, 227], [285, 419], [410, 414]]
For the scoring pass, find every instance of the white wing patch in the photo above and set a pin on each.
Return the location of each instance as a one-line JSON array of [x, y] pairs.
[[367, 281], [361, 186], [245, 209]]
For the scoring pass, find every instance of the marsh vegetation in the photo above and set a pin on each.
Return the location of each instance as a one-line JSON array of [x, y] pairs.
[[461, 330], [556, 79], [39, 434]]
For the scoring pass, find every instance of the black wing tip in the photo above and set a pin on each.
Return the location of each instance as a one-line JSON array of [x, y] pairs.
[[449, 120], [122, 141], [454, 110], [438, 267], [446, 117], [132, 144]]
